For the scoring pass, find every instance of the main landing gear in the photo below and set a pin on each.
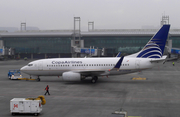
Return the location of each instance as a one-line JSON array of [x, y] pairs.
[[38, 79], [94, 79]]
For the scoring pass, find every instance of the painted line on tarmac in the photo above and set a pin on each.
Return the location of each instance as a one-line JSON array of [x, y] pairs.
[[139, 78]]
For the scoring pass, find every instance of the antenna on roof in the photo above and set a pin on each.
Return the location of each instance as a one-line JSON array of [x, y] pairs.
[[23, 26], [165, 20]]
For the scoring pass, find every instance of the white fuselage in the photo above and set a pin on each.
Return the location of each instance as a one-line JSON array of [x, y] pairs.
[[98, 66]]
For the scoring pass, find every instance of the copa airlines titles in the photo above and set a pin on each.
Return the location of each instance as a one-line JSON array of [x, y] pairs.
[[66, 62]]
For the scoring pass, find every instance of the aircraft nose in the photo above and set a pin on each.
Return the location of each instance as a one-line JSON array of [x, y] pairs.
[[23, 68]]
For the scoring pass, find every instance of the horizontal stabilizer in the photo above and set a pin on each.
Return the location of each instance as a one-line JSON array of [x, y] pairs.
[[159, 59]]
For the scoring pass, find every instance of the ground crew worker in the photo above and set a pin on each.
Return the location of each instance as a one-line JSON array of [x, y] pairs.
[[25, 58], [173, 63], [47, 90]]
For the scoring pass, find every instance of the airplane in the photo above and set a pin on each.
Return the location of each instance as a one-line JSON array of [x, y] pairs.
[[77, 69]]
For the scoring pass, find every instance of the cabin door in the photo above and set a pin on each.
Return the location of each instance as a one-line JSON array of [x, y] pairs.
[[137, 64], [40, 65]]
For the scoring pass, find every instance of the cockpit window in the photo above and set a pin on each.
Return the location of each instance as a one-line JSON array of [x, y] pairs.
[[30, 64]]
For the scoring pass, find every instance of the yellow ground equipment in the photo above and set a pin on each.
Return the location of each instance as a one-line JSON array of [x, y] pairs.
[[25, 79], [41, 97], [139, 78]]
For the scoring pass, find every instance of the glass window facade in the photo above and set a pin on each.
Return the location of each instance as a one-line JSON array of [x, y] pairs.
[[47, 44], [116, 42], [38, 44]]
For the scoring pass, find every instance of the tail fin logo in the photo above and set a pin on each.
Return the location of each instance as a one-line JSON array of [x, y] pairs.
[[151, 50], [155, 47]]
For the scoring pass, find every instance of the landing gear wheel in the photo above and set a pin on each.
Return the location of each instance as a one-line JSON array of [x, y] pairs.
[[38, 79], [35, 114], [94, 79], [9, 77]]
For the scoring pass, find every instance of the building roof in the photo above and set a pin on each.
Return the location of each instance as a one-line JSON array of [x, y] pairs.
[[102, 32]]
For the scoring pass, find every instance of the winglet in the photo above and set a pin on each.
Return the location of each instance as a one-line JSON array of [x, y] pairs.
[[118, 55], [118, 64]]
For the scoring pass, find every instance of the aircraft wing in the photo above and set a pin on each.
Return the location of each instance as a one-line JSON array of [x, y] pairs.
[[91, 72], [101, 72]]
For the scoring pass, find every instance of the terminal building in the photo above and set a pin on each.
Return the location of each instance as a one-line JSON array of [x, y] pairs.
[[39, 44], [75, 43]]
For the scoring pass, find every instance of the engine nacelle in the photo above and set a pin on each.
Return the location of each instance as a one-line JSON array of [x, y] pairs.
[[70, 76]]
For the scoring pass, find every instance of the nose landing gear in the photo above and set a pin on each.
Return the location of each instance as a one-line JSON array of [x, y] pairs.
[[38, 79]]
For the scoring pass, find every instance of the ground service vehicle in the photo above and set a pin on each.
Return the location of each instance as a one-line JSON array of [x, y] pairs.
[[14, 74], [27, 105]]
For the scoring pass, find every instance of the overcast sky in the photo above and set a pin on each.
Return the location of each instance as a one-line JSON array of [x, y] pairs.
[[106, 14]]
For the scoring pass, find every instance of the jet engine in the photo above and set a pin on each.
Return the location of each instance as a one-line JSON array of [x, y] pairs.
[[70, 76]]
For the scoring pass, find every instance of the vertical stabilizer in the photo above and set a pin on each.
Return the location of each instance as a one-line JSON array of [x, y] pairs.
[[155, 47]]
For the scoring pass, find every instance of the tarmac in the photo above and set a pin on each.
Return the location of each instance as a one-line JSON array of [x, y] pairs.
[[155, 93]]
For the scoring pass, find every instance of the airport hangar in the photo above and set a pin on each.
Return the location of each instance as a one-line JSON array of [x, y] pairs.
[[67, 43]]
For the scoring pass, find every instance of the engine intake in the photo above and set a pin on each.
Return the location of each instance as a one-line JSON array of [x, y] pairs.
[[70, 76]]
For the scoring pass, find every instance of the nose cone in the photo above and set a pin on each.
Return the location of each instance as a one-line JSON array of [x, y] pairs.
[[23, 69]]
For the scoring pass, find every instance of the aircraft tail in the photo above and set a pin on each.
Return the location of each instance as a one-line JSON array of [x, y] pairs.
[[155, 47]]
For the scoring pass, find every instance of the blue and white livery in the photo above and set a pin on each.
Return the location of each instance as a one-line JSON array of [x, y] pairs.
[[76, 69], [155, 47]]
